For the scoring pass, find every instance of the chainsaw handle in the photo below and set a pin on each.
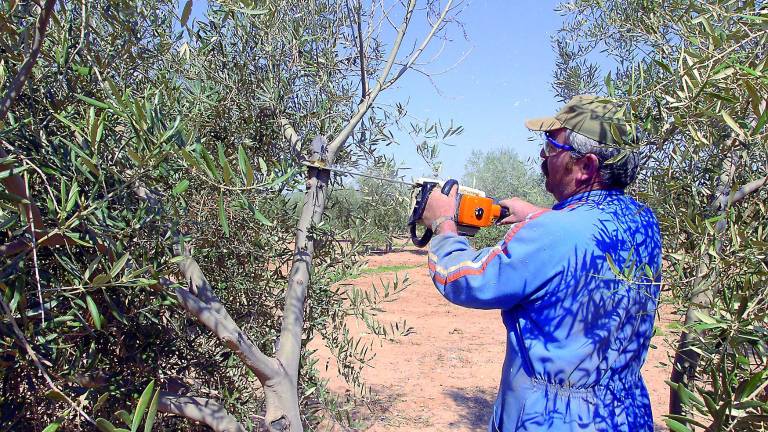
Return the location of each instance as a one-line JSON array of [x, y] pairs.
[[448, 185], [503, 214], [425, 238], [418, 211]]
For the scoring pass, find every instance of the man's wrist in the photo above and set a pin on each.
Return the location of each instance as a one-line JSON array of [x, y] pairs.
[[441, 222]]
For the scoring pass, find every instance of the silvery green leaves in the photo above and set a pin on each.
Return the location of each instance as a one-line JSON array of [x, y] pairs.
[[697, 91]]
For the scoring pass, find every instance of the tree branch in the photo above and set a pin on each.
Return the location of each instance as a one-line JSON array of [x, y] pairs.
[[748, 188], [366, 103], [200, 410], [289, 350], [265, 368], [26, 68], [421, 48], [686, 359], [15, 185], [289, 133], [360, 47]]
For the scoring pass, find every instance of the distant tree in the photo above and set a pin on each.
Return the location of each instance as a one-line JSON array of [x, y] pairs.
[[501, 174], [385, 205], [694, 76]]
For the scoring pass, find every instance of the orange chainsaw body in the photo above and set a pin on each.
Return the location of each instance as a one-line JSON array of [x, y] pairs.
[[477, 211]]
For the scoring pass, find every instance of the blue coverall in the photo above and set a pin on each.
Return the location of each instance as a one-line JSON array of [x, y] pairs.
[[578, 287]]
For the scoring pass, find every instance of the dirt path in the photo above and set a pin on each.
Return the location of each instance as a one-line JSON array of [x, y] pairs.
[[445, 375]]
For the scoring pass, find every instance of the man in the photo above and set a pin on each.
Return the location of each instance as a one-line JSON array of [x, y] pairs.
[[577, 284]]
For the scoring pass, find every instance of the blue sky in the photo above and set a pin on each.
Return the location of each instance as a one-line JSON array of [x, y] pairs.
[[505, 79]]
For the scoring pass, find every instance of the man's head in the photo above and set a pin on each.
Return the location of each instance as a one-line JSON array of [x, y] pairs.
[[581, 147]]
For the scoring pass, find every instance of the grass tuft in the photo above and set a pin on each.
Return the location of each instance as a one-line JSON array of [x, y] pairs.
[[387, 269]]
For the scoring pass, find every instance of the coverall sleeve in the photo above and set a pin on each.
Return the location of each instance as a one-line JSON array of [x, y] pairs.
[[529, 258]]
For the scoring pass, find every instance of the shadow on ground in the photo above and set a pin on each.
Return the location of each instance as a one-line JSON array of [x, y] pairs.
[[474, 407]]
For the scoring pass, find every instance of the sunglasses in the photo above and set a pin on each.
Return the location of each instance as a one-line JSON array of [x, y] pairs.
[[551, 146]]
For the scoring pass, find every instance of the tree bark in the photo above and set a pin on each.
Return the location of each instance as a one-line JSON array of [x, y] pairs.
[[200, 410], [279, 386], [289, 344], [687, 358]]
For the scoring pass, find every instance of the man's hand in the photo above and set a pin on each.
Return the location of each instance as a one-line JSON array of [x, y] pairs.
[[518, 210], [439, 205]]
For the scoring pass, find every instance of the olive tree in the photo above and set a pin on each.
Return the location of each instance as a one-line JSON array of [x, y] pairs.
[[693, 76], [147, 165]]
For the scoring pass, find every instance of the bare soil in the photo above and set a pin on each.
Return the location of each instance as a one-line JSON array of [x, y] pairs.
[[445, 374]]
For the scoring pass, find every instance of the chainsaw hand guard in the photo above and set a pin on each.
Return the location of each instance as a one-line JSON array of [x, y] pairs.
[[418, 210]]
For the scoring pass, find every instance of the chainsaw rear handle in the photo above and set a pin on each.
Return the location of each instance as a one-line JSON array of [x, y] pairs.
[[418, 211]]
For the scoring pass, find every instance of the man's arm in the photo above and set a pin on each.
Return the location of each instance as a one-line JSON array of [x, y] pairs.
[[518, 210], [532, 256]]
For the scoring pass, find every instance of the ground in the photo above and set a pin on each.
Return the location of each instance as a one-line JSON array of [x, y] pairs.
[[444, 375]]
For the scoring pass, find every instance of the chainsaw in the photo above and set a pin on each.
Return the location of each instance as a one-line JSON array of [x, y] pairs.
[[474, 209]]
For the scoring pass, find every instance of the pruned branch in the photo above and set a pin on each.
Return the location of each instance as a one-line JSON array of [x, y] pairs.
[[14, 89], [200, 410]]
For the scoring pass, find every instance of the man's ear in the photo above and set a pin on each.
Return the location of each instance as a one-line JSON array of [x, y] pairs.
[[590, 168]]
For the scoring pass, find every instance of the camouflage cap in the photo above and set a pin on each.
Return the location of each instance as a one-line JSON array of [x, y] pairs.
[[594, 117]]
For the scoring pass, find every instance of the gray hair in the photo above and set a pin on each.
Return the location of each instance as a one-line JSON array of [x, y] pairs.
[[619, 173]]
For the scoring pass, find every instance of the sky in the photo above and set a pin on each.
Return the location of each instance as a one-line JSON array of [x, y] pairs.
[[503, 80]]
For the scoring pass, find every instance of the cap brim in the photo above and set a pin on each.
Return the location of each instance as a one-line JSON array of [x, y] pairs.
[[543, 124]]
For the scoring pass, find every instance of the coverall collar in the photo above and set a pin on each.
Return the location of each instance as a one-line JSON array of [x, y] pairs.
[[595, 195]]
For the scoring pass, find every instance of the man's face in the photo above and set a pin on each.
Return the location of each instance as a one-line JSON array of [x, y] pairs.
[[558, 168]]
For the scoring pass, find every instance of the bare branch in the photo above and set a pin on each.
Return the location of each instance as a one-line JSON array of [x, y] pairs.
[[748, 188], [424, 43], [26, 68], [360, 46], [366, 103], [35, 265], [200, 410]]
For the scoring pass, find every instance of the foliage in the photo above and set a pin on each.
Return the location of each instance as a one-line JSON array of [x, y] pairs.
[[143, 130], [501, 174], [149, 400], [385, 204], [374, 207], [694, 75]]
